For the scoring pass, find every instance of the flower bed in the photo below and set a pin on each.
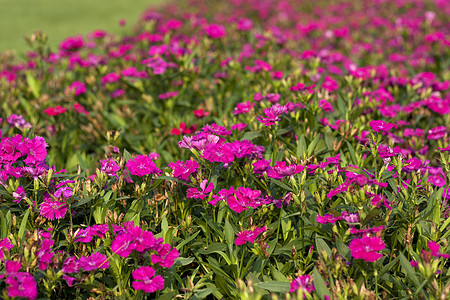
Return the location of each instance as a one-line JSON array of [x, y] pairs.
[[240, 149]]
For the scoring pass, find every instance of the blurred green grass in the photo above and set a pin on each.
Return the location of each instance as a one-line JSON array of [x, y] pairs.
[[63, 18]]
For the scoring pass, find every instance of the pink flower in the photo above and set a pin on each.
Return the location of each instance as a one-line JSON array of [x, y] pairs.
[[366, 248], [80, 109], [303, 283], [19, 194], [72, 43], [35, 149], [93, 262], [244, 198], [223, 195], [327, 219], [54, 111], [200, 113], [142, 165], [437, 133], [215, 31], [123, 244], [281, 170], [380, 126], [109, 166], [218, 153], [53, 209], [239, 126], [145, 280], [78, 88], [203, 192], [5, 244], [249, 235], [165, 258], [184, 170], [71, 265], [110, 78], [22, 284]]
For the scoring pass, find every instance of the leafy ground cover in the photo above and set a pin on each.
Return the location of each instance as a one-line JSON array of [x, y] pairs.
[[232, 149], [59, 19]]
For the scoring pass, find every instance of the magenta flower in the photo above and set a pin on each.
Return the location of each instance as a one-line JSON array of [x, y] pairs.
[[18, 121], [93, 262], [215, 31], [261, 166], [244, 198], [327, 219], [380, 126], [5, 244], [65, 191], [366, 248], [71, 265], [437, 133], [202, 193], [22, 284], [123, 244], [184, 170], [145, 281], [109, 166], [222, 196], [35, 149], [142, 165], [19, 194], [249, 235], [435, 250], [281, 170], [53, 209], [218, 153], [78, 88], [54, 111], [243, 108], [303, 283], [72, 43], [165, 258], [110, 78]]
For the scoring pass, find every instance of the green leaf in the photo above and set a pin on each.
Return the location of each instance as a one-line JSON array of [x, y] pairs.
[[312, 146], [274, 286], [229, 233], [34, 85], [203, 293], [82, 201], [182, 261], [250, 135], [301, 147], [184, 242], [319, 284], [343, 249], [409, 270], [322, 245], [281, 184], [23, 225]]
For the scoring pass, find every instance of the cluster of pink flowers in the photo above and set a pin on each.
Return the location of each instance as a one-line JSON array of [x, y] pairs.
[[249, 235]]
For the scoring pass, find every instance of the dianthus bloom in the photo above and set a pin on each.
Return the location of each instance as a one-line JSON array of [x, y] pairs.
[[203, 192], [21, 284], [145, 280], [249, 235], [142, 165], [93, 262], [109, 166], [215, 31], [165, 257], [54, 111], [303, 283], [366, 248], [380, 126], [183, 170], [53, 209], [5, 244], [78, 88]]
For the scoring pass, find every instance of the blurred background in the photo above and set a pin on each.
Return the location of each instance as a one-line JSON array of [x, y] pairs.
[[63, 18]]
